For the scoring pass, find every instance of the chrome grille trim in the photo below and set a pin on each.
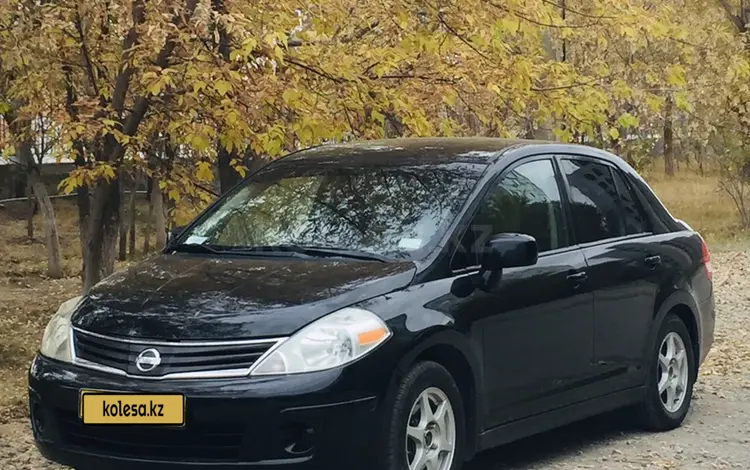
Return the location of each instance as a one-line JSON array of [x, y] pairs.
[[203, 374], [147, 342]]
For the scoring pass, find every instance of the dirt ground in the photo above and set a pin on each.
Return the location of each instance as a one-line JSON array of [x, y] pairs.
[[716, 434]]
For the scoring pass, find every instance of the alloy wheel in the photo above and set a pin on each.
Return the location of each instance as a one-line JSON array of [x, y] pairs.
[[673, 372], [431, 432]]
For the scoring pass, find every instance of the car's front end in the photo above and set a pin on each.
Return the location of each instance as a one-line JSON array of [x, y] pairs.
[[307, 401], [289, 420]]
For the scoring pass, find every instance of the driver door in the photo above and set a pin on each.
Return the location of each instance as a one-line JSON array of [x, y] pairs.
[[534, 328]]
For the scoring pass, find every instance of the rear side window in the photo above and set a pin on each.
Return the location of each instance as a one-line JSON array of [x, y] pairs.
[[594, 200], [660, 218], [634, 218]]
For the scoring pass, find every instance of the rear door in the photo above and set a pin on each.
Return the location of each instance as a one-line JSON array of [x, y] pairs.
[[624, 265]]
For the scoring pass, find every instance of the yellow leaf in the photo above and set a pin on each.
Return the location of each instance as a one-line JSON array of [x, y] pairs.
[[682, 102], [676, 75], [198, 86], [222, 87], [200, 142], [289, 95], [174, 195], [449, 98], [627, 120], [204, 172], [279, 53], [155, 87], [655, 103], [378, 116], [614, 133]]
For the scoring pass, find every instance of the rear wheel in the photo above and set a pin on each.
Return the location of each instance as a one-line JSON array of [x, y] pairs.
[[426, 425], [671, 379]]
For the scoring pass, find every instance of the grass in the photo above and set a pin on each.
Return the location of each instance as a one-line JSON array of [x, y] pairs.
[[28, 298], [698, 201]]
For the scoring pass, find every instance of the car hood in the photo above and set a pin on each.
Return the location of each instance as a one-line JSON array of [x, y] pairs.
[[192, 297]]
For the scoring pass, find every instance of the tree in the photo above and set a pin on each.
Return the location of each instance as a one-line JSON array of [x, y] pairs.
[[17, 21], [185, 92]]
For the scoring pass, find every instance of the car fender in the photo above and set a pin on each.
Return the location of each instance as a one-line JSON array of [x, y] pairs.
[[446, 337], [678, 297]]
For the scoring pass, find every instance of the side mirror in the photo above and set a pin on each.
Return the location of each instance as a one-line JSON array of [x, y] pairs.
[[509, 250], [174, 233]]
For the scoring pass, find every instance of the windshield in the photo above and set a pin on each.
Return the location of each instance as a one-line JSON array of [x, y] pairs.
[[392, 211]]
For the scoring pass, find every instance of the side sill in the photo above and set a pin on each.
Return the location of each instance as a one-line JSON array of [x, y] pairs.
[[516, 430]]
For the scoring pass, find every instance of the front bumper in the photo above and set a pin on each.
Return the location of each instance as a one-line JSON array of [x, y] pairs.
[[324, 420]]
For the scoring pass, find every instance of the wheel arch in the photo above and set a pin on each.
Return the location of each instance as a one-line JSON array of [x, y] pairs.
[[682, 304], [453, 351]]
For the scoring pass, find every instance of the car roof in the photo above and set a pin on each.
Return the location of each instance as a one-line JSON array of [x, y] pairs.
[[405, 151]]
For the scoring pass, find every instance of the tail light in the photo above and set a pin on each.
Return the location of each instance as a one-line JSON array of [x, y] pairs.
[[707, 260]]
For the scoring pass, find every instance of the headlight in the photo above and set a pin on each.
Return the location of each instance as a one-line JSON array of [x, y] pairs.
[[334, 340], [56, 342]]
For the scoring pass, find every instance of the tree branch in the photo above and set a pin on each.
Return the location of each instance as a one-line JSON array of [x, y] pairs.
[[85, 52], [735, 19]]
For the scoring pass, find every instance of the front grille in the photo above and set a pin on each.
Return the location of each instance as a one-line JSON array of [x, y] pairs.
[[213, 441], [175, 358]]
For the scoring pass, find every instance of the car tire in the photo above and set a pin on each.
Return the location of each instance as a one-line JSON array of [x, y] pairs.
[[432, 381], [669, 387]]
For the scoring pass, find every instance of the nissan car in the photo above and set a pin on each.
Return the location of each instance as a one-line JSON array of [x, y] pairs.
[[397, 304]]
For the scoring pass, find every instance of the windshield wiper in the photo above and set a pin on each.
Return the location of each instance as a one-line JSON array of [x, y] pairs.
[[313, 251], [344, 253], [194, 248]]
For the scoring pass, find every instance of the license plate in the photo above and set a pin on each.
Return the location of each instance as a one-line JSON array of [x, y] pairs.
[[123, 408]]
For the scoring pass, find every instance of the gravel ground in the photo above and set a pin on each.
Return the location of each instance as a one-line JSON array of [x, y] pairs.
[[716, 434]]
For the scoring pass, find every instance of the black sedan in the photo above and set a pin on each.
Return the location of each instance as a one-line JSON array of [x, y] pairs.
[[399, 304]]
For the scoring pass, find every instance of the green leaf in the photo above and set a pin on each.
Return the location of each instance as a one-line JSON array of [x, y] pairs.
[[627, 120]]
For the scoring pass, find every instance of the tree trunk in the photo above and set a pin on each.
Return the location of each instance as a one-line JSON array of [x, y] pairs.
[[160, 221], [393, 127], [54, 258], [52, 240], [131, 213], [101, 246], [228, 176], [51, 237], [30, 210], [122, 254], [83, 200], [149, 220], [669, 164]]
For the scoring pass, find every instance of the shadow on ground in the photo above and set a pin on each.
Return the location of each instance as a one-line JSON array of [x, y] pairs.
[[543, 450]]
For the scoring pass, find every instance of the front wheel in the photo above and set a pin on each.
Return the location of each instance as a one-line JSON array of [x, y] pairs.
[[426, 425], [671, 379]]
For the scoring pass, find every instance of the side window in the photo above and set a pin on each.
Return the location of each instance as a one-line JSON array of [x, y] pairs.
[[525, 200], [660, 219], [594, 200], [634, 217]]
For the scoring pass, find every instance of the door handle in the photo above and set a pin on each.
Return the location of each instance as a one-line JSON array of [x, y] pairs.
[[653, 261], [577, 278]]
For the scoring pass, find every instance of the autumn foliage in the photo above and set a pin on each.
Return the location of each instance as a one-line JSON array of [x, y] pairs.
[[192, 92]]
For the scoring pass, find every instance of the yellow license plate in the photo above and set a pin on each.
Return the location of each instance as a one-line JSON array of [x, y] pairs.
[[122, 408]]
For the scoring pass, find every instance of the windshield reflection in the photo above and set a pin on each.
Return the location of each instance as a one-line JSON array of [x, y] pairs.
[[393, 211]]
